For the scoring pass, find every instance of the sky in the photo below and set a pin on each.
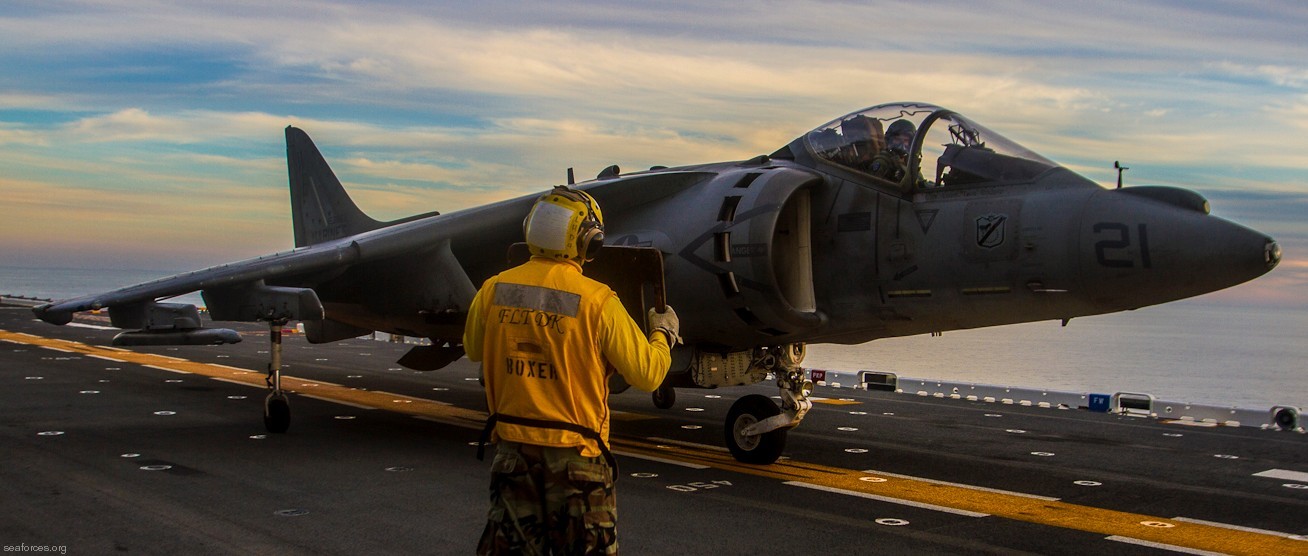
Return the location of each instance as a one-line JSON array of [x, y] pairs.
[[149, 134]]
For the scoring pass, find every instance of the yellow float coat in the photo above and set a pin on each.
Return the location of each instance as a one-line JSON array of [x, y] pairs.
[[543, 333]]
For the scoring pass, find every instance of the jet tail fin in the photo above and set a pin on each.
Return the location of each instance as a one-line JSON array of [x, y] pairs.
[[321, 210]]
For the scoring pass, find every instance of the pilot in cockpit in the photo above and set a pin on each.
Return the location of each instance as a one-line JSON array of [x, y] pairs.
[[892, 162], [863, 139]]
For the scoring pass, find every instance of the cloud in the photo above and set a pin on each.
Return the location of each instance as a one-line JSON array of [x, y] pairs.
[[138, 125], [9, 101], [435, 106], [22, 137], [84, 225], [132, 124], [1280, 75]]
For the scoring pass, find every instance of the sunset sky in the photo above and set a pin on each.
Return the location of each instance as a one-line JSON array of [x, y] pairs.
[[150, 134]]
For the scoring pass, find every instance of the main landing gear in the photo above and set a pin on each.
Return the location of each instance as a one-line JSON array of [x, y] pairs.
[[756, 428], [276, 408]]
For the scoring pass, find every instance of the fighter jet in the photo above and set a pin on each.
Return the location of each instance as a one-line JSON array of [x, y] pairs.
[[896, 220]]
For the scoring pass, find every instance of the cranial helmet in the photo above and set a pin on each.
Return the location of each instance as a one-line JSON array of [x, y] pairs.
[[565, 224], [900, 135]]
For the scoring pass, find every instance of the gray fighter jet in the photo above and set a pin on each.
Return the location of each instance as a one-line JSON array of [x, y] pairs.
[[896, 220]]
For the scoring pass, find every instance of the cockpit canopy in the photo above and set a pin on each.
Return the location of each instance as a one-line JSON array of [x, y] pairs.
[[915, 146]]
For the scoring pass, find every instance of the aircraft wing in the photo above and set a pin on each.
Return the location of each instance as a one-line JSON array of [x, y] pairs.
[[303, 260], [241, 291]]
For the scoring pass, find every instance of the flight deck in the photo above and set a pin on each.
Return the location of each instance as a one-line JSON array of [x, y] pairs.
[[163, 449]]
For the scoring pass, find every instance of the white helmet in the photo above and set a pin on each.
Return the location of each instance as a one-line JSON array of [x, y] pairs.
[[565, 224]]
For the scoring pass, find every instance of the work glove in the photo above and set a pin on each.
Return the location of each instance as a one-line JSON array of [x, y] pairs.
[[667, 322]]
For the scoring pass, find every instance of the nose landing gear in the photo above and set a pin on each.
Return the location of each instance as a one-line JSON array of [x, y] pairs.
[[744, 416], [756, 427]]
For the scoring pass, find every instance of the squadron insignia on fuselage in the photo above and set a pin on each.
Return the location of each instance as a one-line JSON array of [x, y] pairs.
[[990, 230]]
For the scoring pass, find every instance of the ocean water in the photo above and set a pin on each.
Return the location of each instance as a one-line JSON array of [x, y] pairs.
[[65, 283], [1187, 351]]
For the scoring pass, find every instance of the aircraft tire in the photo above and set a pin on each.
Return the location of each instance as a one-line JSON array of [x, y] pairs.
[[760, 449], [665, 397], [276, 413]]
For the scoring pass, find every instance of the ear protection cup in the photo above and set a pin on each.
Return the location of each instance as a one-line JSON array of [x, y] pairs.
[[590, 242], [590, 238]]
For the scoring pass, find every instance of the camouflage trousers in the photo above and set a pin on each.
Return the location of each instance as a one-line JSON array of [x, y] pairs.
[[549, 501]]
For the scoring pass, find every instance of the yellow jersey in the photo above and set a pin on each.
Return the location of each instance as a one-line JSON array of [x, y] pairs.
[[543, 333]]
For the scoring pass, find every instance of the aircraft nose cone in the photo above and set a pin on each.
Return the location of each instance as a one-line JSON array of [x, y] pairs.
[[1229, 253], [1247, 253], [1233, 250], [1140, 250], [1272, 253]]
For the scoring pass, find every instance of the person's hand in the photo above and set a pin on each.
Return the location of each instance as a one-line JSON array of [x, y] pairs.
[[667, 323]]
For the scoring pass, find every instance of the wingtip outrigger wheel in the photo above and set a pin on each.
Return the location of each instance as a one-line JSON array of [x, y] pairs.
[[276, 413], [756, 428], [276, 408]]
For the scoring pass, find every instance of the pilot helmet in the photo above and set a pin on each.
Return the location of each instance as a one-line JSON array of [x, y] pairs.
[[899, 136], [564, 224]]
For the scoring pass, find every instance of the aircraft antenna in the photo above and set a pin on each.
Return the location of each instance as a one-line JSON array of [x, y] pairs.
[[1118, 165], [573, 181]]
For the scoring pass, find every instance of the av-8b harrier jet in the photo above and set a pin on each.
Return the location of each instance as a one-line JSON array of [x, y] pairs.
[[896, 220]]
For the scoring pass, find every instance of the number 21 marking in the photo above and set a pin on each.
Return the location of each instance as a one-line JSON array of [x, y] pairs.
[[1107, 251]]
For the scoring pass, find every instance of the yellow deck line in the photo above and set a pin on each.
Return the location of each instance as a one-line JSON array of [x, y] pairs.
[[328, 391], [1054, 513], [834, 401], [1010, 506]]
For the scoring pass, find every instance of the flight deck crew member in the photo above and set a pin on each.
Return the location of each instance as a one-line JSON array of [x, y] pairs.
[[544, 333]]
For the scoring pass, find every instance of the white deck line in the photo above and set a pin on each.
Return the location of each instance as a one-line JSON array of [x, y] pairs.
[[237, 382], [660, 460], [921, 505], [91, 326], [961, 485], [1236, 527], [232, 368], [685, 444], [351, 404], [1161, 546], [1284, 474], [166, 369]]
